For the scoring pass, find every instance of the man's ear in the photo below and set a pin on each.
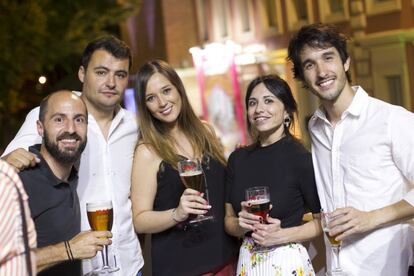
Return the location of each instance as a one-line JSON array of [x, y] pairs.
[[40, 128], [347, 64], [81, 73]]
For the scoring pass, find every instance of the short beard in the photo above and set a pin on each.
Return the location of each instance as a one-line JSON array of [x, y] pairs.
[[65, 157]]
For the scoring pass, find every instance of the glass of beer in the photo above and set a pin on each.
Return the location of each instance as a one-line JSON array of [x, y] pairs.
[[259, 201], [327, 217], [192, 176], [100, 217]]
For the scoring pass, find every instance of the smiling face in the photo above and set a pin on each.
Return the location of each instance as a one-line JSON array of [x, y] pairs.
[[266, 114], [64, 127], [324, 73], [163, 99], [104, 81]]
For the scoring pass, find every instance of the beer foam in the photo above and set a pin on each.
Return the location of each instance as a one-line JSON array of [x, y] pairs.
[[190, 173], [259, 201], [98, 205]]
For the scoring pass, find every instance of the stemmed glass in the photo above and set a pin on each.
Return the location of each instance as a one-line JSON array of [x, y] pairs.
[[100, 217], [326, 218], [192, 175]]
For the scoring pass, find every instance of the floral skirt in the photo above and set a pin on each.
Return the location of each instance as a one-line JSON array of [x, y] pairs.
[[290, 259]]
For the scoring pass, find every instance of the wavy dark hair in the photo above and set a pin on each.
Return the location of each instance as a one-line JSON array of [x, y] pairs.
[[278, 87], [320, 36]]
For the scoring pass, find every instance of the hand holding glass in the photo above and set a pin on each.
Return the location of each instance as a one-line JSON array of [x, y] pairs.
[[326, 218], [100, 217], [192, 175], [258, 199]]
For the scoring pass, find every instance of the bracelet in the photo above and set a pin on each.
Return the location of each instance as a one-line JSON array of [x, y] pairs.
[[68, 250], [173, 216]]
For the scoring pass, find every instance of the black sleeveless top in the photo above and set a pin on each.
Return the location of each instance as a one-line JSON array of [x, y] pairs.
[[191, 250]]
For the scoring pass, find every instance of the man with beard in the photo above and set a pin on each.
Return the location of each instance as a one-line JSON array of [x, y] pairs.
[[51, 187], [106, 164], [362, 155]]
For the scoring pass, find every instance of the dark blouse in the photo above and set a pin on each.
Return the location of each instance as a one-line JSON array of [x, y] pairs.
[[191, 250], [286, 167]]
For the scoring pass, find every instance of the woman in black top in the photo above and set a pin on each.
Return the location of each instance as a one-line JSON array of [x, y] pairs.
[[170, 131], [279, 161]]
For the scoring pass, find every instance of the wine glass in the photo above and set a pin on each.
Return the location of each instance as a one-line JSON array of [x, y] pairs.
[[192, 175], [100, 217], [259, 201], [326, 218]]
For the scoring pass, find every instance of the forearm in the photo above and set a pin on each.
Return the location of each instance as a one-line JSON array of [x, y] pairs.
[[50, 255], [302, 233], [391, 214], [150, 222], [232, 227]]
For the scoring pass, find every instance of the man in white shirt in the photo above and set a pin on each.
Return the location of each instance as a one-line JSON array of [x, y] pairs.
[[362, 154], [105, 166]]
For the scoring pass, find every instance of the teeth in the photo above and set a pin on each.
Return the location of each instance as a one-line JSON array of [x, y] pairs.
[[68, 140], [260, 119], [166, 111], [326, 83]]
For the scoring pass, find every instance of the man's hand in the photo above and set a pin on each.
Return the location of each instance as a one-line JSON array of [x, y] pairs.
[[86, 244], [349, 221], [21, 159]]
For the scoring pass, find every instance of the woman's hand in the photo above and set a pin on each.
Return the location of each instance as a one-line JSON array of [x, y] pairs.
[[191, 202], [269, 234], [247, 220]]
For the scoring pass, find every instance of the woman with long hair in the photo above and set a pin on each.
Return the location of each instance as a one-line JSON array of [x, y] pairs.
[[271, 244], [170, 131]]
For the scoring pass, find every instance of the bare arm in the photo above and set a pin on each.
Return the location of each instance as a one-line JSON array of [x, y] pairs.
[[351, 221], [231, 222], [143, 191], [272, 234], [84, 245]]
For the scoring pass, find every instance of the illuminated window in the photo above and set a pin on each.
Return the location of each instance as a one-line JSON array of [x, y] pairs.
[[332, 11], [382, 6], [220, 18], [395, 89], [244, 15], [270, 14], [202, 20], [299, 13]]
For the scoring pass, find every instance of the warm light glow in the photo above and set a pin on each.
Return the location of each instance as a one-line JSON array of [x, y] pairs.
[[42, 79]]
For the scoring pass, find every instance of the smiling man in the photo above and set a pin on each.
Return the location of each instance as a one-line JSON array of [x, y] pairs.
[[51, 187], [362, 155], [105, 165]]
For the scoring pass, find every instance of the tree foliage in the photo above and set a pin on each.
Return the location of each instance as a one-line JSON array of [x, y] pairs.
[[38, 36]]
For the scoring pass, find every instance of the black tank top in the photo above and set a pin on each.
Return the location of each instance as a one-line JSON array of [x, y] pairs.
[[191, 250]]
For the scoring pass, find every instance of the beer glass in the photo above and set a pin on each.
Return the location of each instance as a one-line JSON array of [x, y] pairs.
[[259, 201], [100, 217], [192, 176], [326, 217]]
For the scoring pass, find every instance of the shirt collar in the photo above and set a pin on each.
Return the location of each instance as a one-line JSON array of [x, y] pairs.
[[44, 167], [355, 108]]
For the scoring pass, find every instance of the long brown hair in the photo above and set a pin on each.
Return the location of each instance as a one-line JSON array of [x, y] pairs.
[[155, 133]]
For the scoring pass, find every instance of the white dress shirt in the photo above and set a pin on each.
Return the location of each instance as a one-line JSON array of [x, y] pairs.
[[367, 162], [104, 173]]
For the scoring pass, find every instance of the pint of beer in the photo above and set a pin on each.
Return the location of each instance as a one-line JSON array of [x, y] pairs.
[[259, 201], [192, 176], [100, 215]]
